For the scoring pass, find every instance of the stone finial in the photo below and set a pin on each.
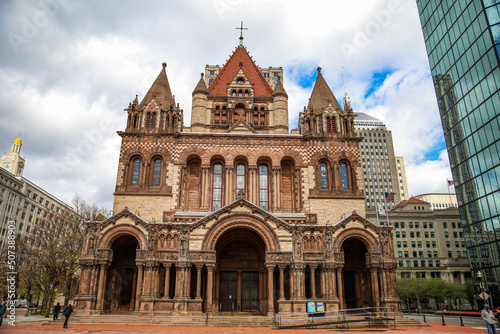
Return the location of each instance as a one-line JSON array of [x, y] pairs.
[[202, 75], [318, 69], [164, 64]]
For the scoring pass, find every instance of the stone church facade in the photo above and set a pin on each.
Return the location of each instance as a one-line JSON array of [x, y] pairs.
[[235, 213]]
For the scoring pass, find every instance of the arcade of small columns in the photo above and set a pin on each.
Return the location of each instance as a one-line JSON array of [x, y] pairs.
[[252, 192], [146, 274]]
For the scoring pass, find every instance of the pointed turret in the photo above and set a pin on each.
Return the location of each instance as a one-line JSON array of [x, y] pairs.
[[201, 87], [159, 91], [280, 114], [322, 95], [279, 90], [13, 162], [200, 116]]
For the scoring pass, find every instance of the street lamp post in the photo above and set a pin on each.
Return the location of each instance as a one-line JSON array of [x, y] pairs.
[[483, 294]]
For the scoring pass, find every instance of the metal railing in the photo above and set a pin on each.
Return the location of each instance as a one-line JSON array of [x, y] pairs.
[[373, 316]]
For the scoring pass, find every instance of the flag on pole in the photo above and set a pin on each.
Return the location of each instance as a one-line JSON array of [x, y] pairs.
[[389, 197], [450, 182], [380, 209]]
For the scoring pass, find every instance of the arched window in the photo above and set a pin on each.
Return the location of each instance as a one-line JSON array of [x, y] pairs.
[[136, 172], [323, 174], [217, 187], [233, 93], [344, 180], [264, 187], [246, 93], [156, 172], [224, 115], [331, 124], [240, 93], [240, 180], [217, 115]]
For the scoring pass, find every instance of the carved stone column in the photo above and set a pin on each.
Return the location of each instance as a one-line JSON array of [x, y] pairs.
[[210, 287], [375, 291], [253, 184], [84, 279], [298, 190], [229, 185], [270, 289], [340, 286], [166, 291], [282, 281], [134, 289], [102, 287], [277, 188], [238, 291], [198, 281], [313, 283], [205, 187]]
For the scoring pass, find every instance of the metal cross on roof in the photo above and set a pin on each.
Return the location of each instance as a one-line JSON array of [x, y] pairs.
[[241, 33]]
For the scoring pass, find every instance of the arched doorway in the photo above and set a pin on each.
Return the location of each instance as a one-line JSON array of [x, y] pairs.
[[241, 272], [122, 275], [356, 276]]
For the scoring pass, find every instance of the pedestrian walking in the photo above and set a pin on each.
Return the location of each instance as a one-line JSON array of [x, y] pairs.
[[3, 309], [57, 309], [68, 310], [489, 318], [498, 316]]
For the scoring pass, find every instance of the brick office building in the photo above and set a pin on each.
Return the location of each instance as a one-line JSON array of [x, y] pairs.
[[235, 212]]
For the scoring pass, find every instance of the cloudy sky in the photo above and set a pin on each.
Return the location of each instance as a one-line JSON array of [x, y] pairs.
[[69, 68]]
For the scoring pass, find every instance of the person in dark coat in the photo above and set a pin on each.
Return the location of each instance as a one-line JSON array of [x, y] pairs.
[[68, 310], [57, 309], [3, 309]]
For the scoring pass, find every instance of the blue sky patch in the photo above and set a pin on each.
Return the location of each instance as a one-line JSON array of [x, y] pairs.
[[377, 81], [306, 79], [434, 153]]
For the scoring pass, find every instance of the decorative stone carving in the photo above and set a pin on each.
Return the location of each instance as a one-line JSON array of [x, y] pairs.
[[278, 257], [183, 242], [328, 243], [297, 244]]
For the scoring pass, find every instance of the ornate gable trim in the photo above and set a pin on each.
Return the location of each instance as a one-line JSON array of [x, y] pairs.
[[123, 213]]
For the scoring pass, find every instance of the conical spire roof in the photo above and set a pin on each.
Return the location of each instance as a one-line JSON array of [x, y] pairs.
[[240, 59], [322, 96], [201, 87], [159, 91], [279, 89]]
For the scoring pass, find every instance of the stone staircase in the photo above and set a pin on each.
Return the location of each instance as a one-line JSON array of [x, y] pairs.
[[173, 321], [406, 322]]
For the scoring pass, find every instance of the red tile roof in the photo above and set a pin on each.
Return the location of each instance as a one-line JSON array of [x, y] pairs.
[[231, 68]]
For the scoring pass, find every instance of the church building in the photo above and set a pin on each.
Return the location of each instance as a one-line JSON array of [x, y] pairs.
[[237, 213]]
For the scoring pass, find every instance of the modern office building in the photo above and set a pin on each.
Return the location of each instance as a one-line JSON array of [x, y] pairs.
[[403, 186], [21, 201], [428, 242], [462, 40], [381, 171]]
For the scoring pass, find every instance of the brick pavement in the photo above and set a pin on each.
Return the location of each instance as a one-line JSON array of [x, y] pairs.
[[56, 328]]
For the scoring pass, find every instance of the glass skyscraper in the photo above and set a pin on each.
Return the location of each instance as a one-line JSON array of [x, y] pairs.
[[462, 38]]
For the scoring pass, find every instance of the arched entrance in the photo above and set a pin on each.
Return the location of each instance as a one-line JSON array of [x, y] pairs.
[[122, 275], [241, 272], [356, 277]]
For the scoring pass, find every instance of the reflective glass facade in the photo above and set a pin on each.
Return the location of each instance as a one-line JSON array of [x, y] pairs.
[[462, 41]]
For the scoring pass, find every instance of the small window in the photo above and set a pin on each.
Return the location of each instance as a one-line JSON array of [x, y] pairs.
[[136, 169], [240, 180], [156, 172], [217, 187], [323, 170], [264, 187], [344, 181]]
